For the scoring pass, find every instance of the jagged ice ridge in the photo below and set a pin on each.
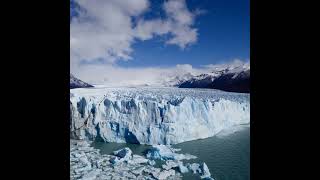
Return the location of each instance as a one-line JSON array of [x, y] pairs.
[[154, 115]]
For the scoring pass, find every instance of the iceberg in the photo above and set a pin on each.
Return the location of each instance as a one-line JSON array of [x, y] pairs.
[[166, 173], [164, 152], [151, 162], [125, 153], [149, 115], [136, 159], [202, 170], [194, 167], [182, 168], [170, 164], [89, 164], [205, 171], [122, 155], [91, 175]]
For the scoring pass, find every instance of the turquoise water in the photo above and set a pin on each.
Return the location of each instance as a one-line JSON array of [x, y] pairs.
[[227, 157]]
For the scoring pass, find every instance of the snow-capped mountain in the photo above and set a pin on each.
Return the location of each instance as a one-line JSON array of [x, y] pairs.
[[231, 77], [77, 83], [173, 81]]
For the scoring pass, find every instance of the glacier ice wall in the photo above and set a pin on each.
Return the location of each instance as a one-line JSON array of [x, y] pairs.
[[154, 115]]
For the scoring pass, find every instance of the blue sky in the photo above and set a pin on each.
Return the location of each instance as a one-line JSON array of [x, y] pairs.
[[130, 36], [224, 35]]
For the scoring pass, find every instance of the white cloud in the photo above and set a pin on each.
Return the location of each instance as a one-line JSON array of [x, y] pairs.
[[104, 28], [178, 23], [230, 64], [182, 19], [113, 75]]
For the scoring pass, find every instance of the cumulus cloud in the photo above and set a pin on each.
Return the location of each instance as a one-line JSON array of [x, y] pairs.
[[113, 75], [231, 64], [178, 23], [104, 29]]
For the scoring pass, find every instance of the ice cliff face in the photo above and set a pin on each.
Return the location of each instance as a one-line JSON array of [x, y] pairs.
[[154, 115]]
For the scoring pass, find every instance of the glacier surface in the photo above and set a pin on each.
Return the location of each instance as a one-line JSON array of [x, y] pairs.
[[154, 115]]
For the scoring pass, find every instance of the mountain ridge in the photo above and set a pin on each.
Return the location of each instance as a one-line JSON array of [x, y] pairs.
[[231, 77], [77, 83]]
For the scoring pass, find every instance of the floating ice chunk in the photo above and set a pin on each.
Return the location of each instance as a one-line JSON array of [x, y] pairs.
[[208, 178], [116, 160], [205, 171], [160, 152], [92, 165], [139, 170], [77, 155], [102, 162], [91, 175], [136, 159], [166, 153], [85, 161], [82, 144], [164, 174], [79, 170], [202, 170], [151, 162], [86, 149], [182, 168], [123, 153], [194, 167], [127, 175], [186, 157], [170, 164], [154, 171]]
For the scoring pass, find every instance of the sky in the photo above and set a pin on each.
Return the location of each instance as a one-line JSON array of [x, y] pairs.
[[145, 35]]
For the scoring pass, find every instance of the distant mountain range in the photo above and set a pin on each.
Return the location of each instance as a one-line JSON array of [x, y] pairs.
[[232, 78], [233, 82], [77, 83]]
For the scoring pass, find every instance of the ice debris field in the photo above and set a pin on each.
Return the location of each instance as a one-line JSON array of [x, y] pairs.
[[150, 115], [87, 164]]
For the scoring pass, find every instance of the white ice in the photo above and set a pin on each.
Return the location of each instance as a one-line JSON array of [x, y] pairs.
[[88, 164], [154, 115], [164, 152]]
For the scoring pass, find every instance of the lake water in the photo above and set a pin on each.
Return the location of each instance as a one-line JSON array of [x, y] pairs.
[[227, 156]]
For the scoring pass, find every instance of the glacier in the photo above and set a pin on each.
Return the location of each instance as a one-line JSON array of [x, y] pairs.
[[154, 115]]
